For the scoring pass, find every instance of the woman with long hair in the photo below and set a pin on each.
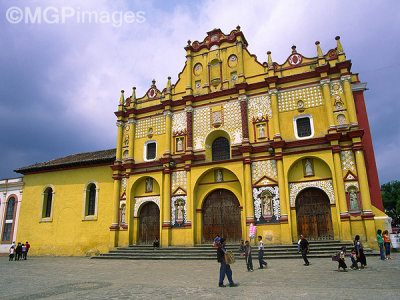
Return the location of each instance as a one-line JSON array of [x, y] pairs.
[[360, 252]]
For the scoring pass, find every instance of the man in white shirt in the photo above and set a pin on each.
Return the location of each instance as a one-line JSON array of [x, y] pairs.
[[261, 253]]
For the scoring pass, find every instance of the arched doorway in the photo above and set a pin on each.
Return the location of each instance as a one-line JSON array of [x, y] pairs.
[[149, 223], [313, 214], [221, 215]]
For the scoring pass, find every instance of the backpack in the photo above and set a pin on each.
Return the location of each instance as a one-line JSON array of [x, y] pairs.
[[336, 257]]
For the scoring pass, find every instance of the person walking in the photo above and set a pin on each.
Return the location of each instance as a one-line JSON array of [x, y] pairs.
[[23, 250], [380, 243], [11, 253], [360, 252], [27, 249], [386, 242], [249, 259], [225, 269], [261, 253], [304, 248], [18, 252]]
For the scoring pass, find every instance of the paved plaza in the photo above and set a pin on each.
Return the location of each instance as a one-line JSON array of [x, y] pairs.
[[83, 278]]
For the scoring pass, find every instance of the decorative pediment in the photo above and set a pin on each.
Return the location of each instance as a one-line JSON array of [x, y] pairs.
[[179, 191], [123, 196], [350, 176], [265, 180]]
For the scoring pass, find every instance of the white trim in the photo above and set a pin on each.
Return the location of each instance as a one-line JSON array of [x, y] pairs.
[[145, 150], [86, 198], [311, 125], [50, 218]]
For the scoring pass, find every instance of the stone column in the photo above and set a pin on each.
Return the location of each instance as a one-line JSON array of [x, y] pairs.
[[344, 218], [168, 130], [275, 113], [328, 104], [115, 217], [286, 232], [248, 192], [349, 100], [367, 215], [132, 125], [120, 133], [165, 202]]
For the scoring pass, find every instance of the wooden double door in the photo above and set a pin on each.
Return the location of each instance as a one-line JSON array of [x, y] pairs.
[[149, 223], [313, 214], [222, 216]]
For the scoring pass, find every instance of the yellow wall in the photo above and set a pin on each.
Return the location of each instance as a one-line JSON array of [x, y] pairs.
[[68, 233]]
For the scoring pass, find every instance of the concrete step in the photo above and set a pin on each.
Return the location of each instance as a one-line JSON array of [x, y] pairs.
[[208, 252]]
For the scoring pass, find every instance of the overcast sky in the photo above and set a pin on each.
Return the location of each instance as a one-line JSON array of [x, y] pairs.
[[60, 82]]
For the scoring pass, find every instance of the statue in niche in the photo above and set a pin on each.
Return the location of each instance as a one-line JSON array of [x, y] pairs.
[[353, 199], [266, 202], [123, 214], [261, 131], [149, 185], [219, 177], [179, 210], [308, 167], [179, 144]]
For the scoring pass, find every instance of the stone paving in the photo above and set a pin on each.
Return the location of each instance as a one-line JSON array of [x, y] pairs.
[[83, 278]]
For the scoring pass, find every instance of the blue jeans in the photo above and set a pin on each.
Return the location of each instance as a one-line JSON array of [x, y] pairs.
[[381, 251], [225, 269], [260, 259]]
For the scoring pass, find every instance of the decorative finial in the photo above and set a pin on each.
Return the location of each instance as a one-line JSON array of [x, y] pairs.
[[153, 82], [339, 45], [269, 57], [133, 97], [319, 51], [122, 98], [238, 28], [189, 42], [294, 49], [169, 84]]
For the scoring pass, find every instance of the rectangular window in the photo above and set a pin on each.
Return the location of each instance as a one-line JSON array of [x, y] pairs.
[[7, 232], [303, 127], [151, 151]]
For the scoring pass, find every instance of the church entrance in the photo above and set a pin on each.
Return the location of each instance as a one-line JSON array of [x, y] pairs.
[[149, 223], [222, 216], [314, 215]]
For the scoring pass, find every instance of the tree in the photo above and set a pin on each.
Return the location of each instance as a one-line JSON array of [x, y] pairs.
[[391, 200]]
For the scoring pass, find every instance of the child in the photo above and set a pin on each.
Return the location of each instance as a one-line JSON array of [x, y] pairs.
[[249, 260], [217, 240], [11, 255], [353, 256], [386, 243], [298, 246], [342, 264]]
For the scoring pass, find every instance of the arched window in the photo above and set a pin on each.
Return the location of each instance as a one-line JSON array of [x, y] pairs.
[[47, 202], [303, 126], [9, 220], [220, 149], [91, 200]]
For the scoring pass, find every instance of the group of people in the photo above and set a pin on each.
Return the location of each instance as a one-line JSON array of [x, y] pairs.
[[18, 252], [246, 250], [357, 254]]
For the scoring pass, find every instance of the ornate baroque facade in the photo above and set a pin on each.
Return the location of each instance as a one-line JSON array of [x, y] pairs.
[[286, 147]]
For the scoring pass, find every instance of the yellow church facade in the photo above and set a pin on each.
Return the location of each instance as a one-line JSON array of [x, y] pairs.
[[234, 142]]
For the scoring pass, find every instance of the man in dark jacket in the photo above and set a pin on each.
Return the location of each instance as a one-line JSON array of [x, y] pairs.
[[18, 252], [225, 268], [304, 248]]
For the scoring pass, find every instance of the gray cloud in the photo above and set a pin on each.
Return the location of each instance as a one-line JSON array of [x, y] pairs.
[[60, 83]]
